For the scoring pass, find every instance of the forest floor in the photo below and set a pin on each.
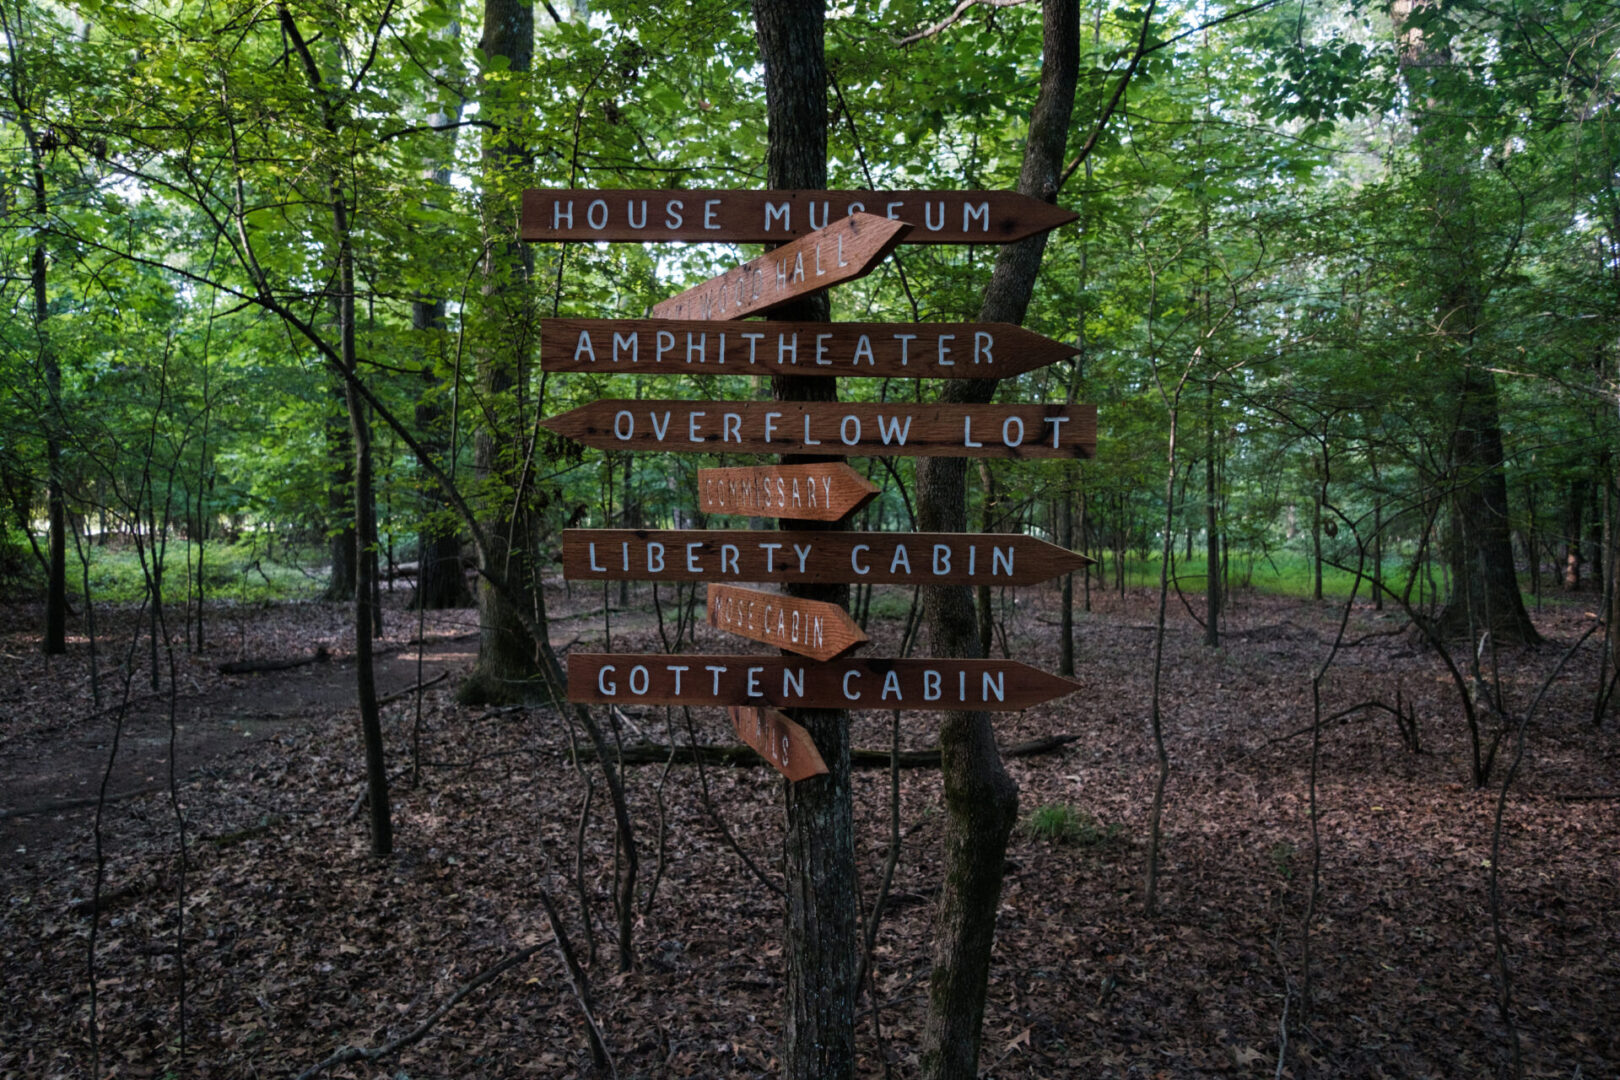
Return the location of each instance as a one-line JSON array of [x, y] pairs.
[[298, 942]]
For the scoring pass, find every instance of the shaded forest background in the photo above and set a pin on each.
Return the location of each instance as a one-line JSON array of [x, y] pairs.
[[1344, 287]]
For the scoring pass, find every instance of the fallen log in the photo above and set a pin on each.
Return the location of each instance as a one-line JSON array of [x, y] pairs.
[[651, 753], [251, 667]]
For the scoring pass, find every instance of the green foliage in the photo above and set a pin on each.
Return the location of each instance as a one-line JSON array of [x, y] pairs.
[[1061, 823], [1255, 257]]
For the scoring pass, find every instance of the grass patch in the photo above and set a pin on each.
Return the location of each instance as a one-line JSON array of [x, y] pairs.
[[1060, 823], [233, 573]]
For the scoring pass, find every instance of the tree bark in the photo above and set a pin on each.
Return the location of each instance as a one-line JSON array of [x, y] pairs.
[[981, 800], [441, 581], [365, 521], [20, 86], [819, 843], [506, 655], [340, 544], [1485, 589]]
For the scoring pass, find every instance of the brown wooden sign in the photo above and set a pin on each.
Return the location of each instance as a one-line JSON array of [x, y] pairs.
[[845, 250], [788, 682], [879, 350], [880, 558], [778, 740], [824, 491], [939, 217], [810, 628], [833, 427]]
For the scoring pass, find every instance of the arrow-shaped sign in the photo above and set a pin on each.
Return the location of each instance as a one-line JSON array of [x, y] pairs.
[[879, 350], [788, 682], [810, 628], [824, 491], [778, 740], [833, 427], [845, 250], [940, 217], [879, 558]]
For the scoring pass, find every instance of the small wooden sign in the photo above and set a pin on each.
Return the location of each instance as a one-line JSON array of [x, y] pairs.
[[824, 491], [940, 217], [810, 628], [788, 682], [778, 740], [845, 250], [880, 558], [877, 350], [833, 427]]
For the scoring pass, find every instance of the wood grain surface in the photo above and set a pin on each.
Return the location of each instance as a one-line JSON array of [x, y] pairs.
[[847, 249], [833, 427], [867, 349], [790, 682], [883, 558], [939, 217]]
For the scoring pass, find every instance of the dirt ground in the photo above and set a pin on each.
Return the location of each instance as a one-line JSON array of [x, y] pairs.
[[297, 942]]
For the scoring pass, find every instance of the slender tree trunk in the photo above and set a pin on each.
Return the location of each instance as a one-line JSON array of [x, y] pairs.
[[365, 522], [981, 800], [1212, 530], [819, 843], [984, 600], [441, 582], [1574, 512], [340, 509], [55, 640], [1066, 632]]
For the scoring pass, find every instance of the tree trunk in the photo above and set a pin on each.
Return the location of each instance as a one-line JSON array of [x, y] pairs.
[[984, 600], [339, 501], [441, 582], [981, 800], [819, 845], [55, 640], [506, 655], [365, 521], [1574, 512], [1485, 590], [1212, 532], [1066, 603]]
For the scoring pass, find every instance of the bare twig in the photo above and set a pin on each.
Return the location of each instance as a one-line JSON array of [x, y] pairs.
[[416, 1034], [955, 16]]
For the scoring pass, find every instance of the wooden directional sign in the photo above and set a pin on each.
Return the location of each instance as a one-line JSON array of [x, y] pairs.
[[940, 217], [880, 558], [845, 250], [810, 628], [879, 350], [832, 427], [787, 681], [824, 491], [778, 740]]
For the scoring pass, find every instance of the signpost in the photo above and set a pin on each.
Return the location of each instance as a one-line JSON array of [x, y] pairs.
[[785, 681], [845, 250], [778, 740], [834, 427], [876, 558], [825, 238], [810, 628], [939, 217], [876, 350], [824, 491]]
